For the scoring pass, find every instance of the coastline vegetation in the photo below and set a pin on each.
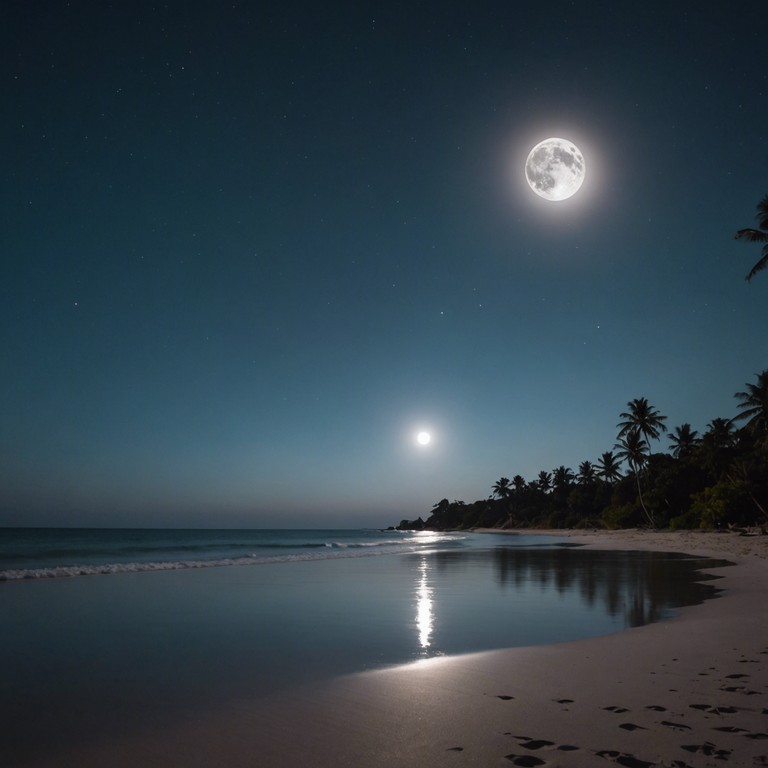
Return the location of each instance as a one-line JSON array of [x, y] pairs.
[[757, 236], [718, 479]]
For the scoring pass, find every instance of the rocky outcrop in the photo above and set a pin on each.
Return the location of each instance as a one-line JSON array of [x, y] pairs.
[[412, 525]]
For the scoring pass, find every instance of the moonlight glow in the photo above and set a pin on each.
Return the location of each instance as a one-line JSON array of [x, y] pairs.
[[555, 169], [423, 438]]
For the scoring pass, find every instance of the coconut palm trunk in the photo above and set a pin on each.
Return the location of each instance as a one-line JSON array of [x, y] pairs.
[[634, 450], [648, 514]]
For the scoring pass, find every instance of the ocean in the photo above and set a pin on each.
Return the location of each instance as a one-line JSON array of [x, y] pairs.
[[113, 631], [34, 553]]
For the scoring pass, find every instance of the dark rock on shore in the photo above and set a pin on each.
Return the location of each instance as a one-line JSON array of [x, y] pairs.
[[412, 525]]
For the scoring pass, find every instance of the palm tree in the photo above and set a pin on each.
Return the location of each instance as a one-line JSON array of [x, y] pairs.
[[719, 434], [684, 440], [544, 481], [743, 472], [643, 418], [519, 482], [502, 488], [586, 473], [754, 402], [562, 478], [608, 468], [634, 450], [758, 236], [714, 449]]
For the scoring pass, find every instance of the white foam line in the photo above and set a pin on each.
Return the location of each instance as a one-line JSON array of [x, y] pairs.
[[68, 571]]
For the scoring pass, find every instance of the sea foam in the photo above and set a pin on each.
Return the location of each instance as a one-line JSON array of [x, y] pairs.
[[326, 551]]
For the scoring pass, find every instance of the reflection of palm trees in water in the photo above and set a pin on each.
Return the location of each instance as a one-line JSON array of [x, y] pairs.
[[643, 587]]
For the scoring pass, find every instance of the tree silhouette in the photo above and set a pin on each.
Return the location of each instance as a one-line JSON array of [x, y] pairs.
[[502, 488], [754, 403], [608, 468], [642, 418], [586, 473], [562, 478], [757, 236], [715, 448], [718, 477], [634, 450], [749, 473], [683, 440], [719, 434], [544, 480], [441, 507]]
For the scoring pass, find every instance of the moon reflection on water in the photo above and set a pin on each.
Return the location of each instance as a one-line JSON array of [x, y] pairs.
[[424, 616]]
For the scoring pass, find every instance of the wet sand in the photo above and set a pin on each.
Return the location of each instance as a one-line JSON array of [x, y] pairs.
[[690, 691]]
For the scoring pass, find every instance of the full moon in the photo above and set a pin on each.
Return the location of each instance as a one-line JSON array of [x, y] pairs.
[[555, 169], [423, 438]]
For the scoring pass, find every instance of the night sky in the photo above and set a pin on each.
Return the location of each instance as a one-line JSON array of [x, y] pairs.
[[250, 249]]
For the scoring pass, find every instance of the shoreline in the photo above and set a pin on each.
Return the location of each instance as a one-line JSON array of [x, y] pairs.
[[688, 692], [704, 543]]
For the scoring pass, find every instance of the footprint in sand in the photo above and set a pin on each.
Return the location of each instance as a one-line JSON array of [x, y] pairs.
[[624, 758], [656, 708], [709, 749], [505, 698], [714, 710], [535, 744], [616, 710], [455, 749], [632, 727], [676, 726], [526, 761], [743, 690]]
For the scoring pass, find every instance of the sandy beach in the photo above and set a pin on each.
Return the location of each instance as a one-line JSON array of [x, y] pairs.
[[689, 691]]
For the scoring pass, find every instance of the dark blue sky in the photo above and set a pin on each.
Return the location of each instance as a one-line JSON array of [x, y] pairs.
[[249, 250]]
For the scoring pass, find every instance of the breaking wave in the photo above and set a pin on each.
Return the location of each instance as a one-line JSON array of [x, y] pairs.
[[311, 551]]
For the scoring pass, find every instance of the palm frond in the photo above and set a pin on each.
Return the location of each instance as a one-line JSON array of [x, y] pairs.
[[762, 213], [752, 235], [761, 264]]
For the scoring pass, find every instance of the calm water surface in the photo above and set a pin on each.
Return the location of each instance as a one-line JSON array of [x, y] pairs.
[[136, 647]]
